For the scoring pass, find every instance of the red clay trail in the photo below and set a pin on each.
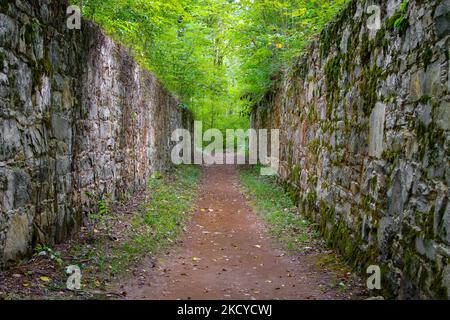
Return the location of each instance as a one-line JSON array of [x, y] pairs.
[[226, 254]]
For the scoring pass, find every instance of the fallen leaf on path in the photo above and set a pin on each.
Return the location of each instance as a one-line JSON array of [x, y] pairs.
[[45, 279], [195, 259]]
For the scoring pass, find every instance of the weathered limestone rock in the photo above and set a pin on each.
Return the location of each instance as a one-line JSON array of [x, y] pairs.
[[18, 237], [442, 19], [444, 229], [376, 133], [443, 115], [372, 169], [8, 31], [9, 139], [417, 85], [446, 280]]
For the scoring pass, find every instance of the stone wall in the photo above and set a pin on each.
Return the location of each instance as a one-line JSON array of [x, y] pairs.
[[364, 119], [80, 121]]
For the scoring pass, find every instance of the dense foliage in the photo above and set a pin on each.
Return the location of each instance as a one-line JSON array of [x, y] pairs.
[[218, 56]]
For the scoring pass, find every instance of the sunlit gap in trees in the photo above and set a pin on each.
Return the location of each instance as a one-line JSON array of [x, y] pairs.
[[219, 57]]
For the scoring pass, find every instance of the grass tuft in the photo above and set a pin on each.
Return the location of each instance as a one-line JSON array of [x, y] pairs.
[[123, 240], [277, 209]]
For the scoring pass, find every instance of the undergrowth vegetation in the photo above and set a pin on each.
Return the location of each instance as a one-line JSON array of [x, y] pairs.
[[157, 223], [114, 242], [296, 234], [278, 211]]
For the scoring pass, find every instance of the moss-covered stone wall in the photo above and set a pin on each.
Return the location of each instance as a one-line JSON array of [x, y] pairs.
[[80, 122], [364, 119]]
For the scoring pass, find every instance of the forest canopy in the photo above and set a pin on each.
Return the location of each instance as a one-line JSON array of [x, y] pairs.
[[217, 56]]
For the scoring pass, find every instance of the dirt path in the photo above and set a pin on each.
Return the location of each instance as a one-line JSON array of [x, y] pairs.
[[226, 254]]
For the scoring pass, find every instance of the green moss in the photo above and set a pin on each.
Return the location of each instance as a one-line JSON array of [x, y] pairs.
[[43, 67], [312, 114], [326, 126], [46, 67], [401, 24], [381, 41], [431, 138], [390, 157], [35, 25], [332, 71], [349, 58], [5, 3], [295, 173], [399, 20], [438, 290], [426, 55], [2, 59], [436, 141], [424, 99], [429, 224], [368, 88], [289, 91], [343, 239], [328, 39], [429, 279], [326, 213], [391, 21], [366, 49], [36, 78], [312, 179], [380, 36], [46, 120], [29, 34], [313, 148], [311, 198], [373, 183], [300, 69], [365, 203]]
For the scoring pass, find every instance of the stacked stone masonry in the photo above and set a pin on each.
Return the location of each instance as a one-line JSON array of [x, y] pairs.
[[80, 122], [364, 119]]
